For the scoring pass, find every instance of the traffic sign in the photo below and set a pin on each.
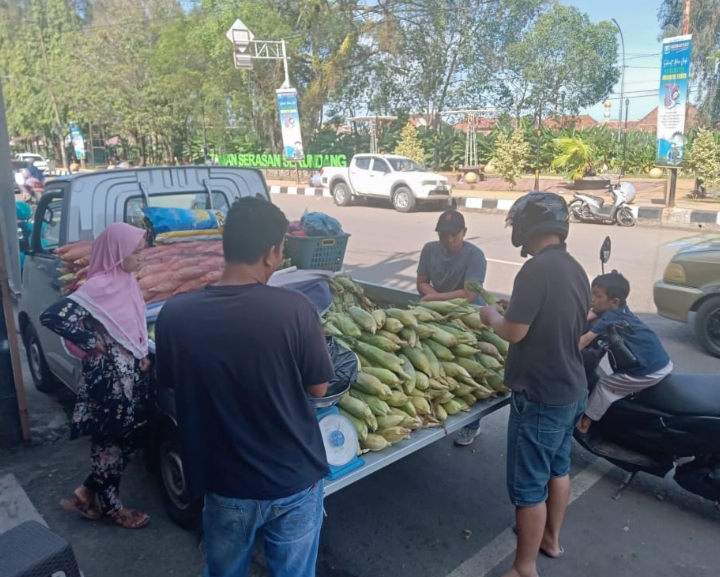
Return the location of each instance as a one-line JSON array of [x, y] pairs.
[[240, 35]]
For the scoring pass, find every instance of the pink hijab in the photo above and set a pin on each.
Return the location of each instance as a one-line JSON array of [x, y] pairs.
[[111, 295]]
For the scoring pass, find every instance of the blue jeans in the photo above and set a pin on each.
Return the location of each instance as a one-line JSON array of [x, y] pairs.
[[539, 443], [290, 528]]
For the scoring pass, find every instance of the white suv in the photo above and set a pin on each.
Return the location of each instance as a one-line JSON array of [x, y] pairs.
[[35, 159]]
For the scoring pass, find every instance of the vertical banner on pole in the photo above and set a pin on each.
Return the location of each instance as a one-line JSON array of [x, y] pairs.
[[290, 124], [674, 86], [78, 141]]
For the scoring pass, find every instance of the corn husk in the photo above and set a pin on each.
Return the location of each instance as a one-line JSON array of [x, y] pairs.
[[374, 442], [362, 318], [405, 317], [441, 352], [377, 406], [380, 318], [394, 434], [380, 342], [371, 385], [393, 325], [360, 425], [391, 420], [383, 375]]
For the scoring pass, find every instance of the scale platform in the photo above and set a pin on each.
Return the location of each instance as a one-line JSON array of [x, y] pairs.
[[341, 443]]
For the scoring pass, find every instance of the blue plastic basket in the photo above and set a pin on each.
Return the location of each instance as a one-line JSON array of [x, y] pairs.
[[316, 252]]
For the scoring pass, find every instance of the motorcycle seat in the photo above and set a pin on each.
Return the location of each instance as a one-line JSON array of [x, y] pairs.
[[598, 199], [690, 395]]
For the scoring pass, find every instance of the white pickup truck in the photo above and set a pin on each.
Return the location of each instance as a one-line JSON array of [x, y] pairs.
[[400, 180]]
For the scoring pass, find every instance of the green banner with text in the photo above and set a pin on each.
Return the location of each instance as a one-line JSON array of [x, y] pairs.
[[311, 161]]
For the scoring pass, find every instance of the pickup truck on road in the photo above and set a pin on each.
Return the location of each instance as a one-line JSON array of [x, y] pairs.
[[396, 178]]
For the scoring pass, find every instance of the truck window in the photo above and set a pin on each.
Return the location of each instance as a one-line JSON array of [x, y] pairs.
[[380, 165], [50, 231], [191, 200], [363, 163]]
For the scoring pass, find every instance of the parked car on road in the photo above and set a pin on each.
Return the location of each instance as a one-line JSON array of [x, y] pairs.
[[690, 287], [35, 159], [397, 178]]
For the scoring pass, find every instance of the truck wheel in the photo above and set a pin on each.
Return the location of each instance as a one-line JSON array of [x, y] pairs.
[[181, 508], [341, 195], [43, 379], [707, 325], [404, 200]]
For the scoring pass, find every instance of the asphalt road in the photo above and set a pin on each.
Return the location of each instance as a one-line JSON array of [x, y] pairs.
[[442, 512]]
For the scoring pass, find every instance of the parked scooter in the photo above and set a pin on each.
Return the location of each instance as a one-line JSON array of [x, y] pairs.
[[590, 208], [675, 423]]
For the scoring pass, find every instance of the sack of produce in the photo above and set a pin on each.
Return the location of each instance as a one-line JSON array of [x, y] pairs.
[[320, 224], [169, 225]]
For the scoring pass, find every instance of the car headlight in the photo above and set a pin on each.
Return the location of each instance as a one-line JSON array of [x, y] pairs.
[[675, 274], [429, 183]]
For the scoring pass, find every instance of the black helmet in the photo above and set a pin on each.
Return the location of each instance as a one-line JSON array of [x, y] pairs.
[[538, 213]]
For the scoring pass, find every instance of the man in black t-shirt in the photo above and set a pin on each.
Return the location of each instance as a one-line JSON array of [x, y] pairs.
[[242, 358], [543, 323]]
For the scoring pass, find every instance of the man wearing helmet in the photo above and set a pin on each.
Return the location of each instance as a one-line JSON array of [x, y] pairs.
[[543, 322]]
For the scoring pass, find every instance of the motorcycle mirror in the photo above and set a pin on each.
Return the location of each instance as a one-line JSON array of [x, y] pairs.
[[605, 251]]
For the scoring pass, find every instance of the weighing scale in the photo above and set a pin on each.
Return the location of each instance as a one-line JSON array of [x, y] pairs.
[[341, 442]]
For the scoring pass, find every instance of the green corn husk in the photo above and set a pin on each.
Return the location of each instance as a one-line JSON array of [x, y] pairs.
[[408, 384], [397, 339], [437, 385], [345, 283], [495, 382], [363, 319], [380, 342], [391, 420], [464, 350], [442, 396], [424, 315], [367, 383], [380, 318], [354, 406], [489, 349], [346, 324], [332, 330], [410, 336], [462, 335], [349, 299], [440, 335], [489, 362], [463, 390], [482, 393], [470, 399], [377, 406], [424, 331], [394, 434], [360, 425], [441, 352], [473, 321], [409, 422], [374, 442], [422, 381], [441, 307], [451, 407], [417, 358], [435, 369], [410, 409], [463, 405], [490, 337], [380, 358], [371, 421], [422, 407], [405, 317], [398, 399], [439, 412], [455, 370], [487, 296], [474, 368], [393, 325], [450, 382], [364, 363], [383, 375]]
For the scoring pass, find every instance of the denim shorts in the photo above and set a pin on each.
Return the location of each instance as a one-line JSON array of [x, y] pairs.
[[539, 445]]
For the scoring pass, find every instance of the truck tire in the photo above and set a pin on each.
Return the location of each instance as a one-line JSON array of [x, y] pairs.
[[182, 509], [707, 325], [341, 194], [403, 199], [43, 379]]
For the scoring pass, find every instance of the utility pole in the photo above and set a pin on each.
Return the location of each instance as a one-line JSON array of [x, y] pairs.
[[537, 148], [622, 78], [52, 98], [687, 8]]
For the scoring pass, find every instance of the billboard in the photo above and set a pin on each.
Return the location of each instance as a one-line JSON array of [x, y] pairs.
[[290, 124], [674, 87], [77, 141]]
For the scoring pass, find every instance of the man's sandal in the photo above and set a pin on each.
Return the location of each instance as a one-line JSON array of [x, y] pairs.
[[133, 520], [88, 511]]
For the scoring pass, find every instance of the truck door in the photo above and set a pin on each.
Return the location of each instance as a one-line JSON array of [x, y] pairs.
[[41, 286], [381, 177], [360, 176]]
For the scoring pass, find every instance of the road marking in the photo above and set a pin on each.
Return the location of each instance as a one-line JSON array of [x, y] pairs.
[[505, 262], [495, 552]]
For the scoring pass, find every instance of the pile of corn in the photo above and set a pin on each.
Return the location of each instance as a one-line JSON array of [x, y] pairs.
[[417, 365]]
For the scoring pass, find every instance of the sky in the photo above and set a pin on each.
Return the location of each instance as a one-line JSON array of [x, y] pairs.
[[640, 26]]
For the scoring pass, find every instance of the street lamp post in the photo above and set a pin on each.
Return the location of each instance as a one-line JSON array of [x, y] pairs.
[[627, 109], [622, 77]]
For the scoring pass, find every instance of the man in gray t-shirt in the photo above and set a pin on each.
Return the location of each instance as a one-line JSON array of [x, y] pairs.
[[445, 267]]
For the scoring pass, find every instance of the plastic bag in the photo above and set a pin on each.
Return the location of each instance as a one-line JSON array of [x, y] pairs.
[[183, 224], [346, 367], [320, 224]]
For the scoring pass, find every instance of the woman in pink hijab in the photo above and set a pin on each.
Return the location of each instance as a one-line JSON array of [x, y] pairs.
[[103, 323]]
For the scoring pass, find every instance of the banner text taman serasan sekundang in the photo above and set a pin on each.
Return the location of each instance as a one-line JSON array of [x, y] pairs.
[[310, 161]]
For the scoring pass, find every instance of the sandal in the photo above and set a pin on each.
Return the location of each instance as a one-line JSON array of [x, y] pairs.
[[86, 510], [130, 519]]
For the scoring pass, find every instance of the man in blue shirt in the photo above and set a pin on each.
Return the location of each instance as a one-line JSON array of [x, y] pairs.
[[446, 265], [609, 306], [243, 357]]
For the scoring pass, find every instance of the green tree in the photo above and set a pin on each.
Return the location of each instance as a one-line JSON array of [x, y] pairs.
[[511, 154], [563, 62], [574, 156], [705, 158], [410, 144]]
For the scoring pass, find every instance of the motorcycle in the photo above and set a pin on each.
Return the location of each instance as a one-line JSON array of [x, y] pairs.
[[23, 215], [674, 424], [590, 208]]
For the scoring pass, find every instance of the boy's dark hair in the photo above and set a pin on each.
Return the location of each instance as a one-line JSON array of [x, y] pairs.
[[253, 226], [615, 285]]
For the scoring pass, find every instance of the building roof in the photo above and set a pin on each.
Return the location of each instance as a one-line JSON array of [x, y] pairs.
[[579, 122]]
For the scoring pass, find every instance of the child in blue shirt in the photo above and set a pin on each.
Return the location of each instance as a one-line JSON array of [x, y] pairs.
[[609, 306]]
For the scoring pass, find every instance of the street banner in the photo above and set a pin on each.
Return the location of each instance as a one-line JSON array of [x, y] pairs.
[[290, 124], [77, 141], [674, 87]]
